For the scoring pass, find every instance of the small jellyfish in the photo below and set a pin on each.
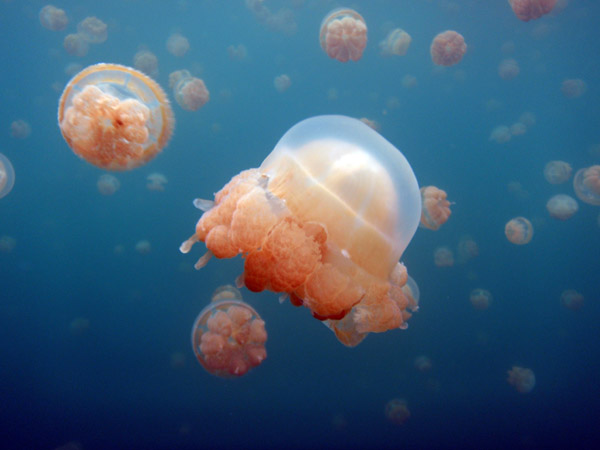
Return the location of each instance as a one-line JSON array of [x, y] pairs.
[[508, 69], [79, 326], [518, 129], [571, 299], [93, 30], [156, 182], [501, 134], [237, 52], [108, 184], [115, 117], [343, 35], [409, 81], [190, 92], [75, 45], [411, 291], [587, 185], [423, 363], [527, 119], [480, 299], [177, 360], [53, 18], [396, 411], [467, 249], [282, 83], [573, 88], [178, 45], [147, 62], [20, 129], [519, 231], [557, 172], [7, 244], [435, 208], [443, 257], [228, 336], [396, 43], [143, 247], [7, 176], [562, 206], [527, 10], [521, 378], [448, 48]]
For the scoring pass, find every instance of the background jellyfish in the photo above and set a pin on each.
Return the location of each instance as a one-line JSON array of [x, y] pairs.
[[282, 83], [557, 172], [527, 10], [396, 411], [114, 117], [435, 208], [228, 336], [480, 299], [587, 185], [7, 176], [75, 45], [20, 129], [571, 299], [7, 244], [108, 184], [156, 182], [143, 247], [508, 69], [501, 134], [396, 43], [190, 92], [521, 378], [423, 363], [518, 129], [324, 219], [343, 35], [448, 48], [573, 88], [178, 45], [93, 30], [519, 230], [53, 18], [443, 257], [562, 206], [147, 62]]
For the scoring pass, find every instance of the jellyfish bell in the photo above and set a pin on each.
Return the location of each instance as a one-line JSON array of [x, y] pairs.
[[343, 35], [557, 172], [521, 378], [448, 48], [396, 43], [527, 10], [7, 176], [435, 209], [587, 185], [325, 219], [519, 230], [562, 206]]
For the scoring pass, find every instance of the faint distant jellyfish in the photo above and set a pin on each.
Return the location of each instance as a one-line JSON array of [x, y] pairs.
[[156, 182], [396, 43], [518, 129], [527, 10], [562, 206], [501, 134], [72, 68], [527, 119], [409, 81], [587, 185], [571, 299], [146, 62], [467, 249], [108, 184], [396, 411], [521, 378], [178, 45], [79, 326], [228, 337], [52, 18], [7, 176], [7, 244], [411, 291], [20, 129], [573, 88], [115, 117], [519, 230], [508, 69], [557, 172], [191, 93], [93, 30], [423, 363], [237, 52], [443, 257], [143, 247], [435, 209], [75, 45], [282, 83], [343, 35], [480, 299], [448, 48]]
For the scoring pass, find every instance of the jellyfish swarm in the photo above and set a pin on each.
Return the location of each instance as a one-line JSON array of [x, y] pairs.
[[448, 48], [527, 10], [343, 35], [324, 219], [115, 117], [228, 336], [521, 378], [519, 230], [7, 176], [587, 185], [435, 208]]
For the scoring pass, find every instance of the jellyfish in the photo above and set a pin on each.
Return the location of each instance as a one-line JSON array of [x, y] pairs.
[[190, 92], [108, 184], [448, 48], [93, 30], [562, 206], [325, 220], [396, 43], [573, 88], [411, 291], [409, 81], [75, 45], [156, 182], [79, 326], [237, 52], [521, 378], [443, 257], [587, 185], [53, 18], [396, 411], [7, 176], [508, 69], [7, 244], [480, 298], [147, 62], [571, 299], [282, 83], [557, 172], [501, 134], [178, 45], [143, 247], [519, 231], [527, 10], [435, 209], [228, 336], [518, 129], [527, 119], [423, 363], [20, 129], [343, 35], [467, 249], [115, 117]]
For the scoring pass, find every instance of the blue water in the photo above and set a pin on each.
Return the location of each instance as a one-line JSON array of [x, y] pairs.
[[113, 385]]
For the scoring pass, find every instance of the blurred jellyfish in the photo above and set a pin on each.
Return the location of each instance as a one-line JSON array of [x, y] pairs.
[[480, 299], [435, 208], [448, 48], [411, 291], [7, 244], [143, 247], [587, 185], [373, 124], [7, 176], [443, 257], [325, 219], [93, 30], [409, 81], [501, 134], [228, 336], [467, 249], [508, 47], [20, 129], [573, 88], [147, 62], [75, 45], [557, 172], [178, 45], [522, 379], [423, 363], [79, 326], [72, 68], [516, 189], [396, 43], [562, 206], [519, 230], [527, 10], [156, 182], [108, 184], [191, 93], [508, 69], [518, 129], [177, 360], [282, 83], [527, 119], [237, 53], [280, 21], [343, 35], [571, 299], [396, 411], [53, 19]]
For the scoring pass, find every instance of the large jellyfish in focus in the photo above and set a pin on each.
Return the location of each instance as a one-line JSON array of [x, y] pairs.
[[527, 10], [115, 117], [228, 336], [324, 219], [343, 35], [587, 185], [435, 208], [448, 48]]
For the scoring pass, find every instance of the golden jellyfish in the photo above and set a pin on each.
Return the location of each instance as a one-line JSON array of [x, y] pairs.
[[527, 10], [20, 129], [93, 30], [557, 172], [448, 48], [53, 18], [521, 378], [562, 206], [115, 117], [178, 45], [156, 182], [409, 81], [228, 336], [501, 134], [147, 62], [396, 43], [518, 129], [282, 83], [435, 208], [587, 185], [467, 249], [573, 88], [108, 184], [237, 52], [480, 299], [527, 119], [324, 219], [396, 411], [7, 176], [519, 231], [571, 299], [423, 363], [443, 257], [143, 247], [190, 92], [75, 45], [343, 35], [508, 69]]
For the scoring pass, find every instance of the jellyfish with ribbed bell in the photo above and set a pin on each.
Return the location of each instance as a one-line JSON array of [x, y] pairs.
[[323, 220], [343, 35], [435, 209]]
